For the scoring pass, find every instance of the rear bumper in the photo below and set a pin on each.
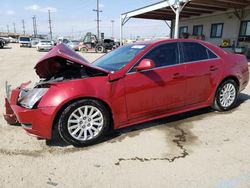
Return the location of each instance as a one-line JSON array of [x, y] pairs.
[[44, 47], [36, 122], [25, 44]]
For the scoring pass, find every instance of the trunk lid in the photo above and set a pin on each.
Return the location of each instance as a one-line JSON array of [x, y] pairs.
[[43, 68]]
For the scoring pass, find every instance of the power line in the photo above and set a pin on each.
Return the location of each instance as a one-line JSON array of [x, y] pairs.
[[23, 26], [50, 28], [14, 27], [8, 30], [34, 26], [112, 28], [97, 10]]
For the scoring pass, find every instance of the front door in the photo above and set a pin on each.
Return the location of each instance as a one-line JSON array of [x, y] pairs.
[[150, 92]]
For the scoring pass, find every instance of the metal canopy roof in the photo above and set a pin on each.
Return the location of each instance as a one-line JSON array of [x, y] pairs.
[[162, 10]]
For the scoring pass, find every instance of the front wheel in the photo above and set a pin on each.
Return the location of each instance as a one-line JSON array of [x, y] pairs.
[[84, 50], [226, 96], [84, 122]]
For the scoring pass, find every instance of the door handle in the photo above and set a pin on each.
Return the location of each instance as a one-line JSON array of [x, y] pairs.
[[213, 68], [177, 76]]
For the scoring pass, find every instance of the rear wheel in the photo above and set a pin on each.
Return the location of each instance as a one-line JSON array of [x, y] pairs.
[[226, 96], [100, 49], [84, 122], [1, 44]]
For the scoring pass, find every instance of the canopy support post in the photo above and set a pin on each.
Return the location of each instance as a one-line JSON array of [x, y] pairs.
[[177, 8], [123, 21]]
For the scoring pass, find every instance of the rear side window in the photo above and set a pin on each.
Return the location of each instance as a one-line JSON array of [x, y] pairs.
[[196, 52]]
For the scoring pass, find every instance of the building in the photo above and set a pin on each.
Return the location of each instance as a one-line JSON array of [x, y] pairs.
[[223, 22], [232, 25]]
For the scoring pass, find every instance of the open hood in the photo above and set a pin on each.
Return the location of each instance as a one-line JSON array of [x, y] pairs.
[[44, 67]]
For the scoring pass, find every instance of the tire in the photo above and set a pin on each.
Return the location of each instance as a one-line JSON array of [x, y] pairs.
[[84, 123], [100, 49], [1, 45], [226, 95], [84, 50]]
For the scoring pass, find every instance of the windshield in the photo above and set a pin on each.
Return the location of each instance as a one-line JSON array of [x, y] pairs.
[[46, 41], [75, 42], [119, 58], [24, 39]]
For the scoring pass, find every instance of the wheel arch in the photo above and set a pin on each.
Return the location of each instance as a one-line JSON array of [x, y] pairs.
[[232, 77], [215, 104], [64, 106]]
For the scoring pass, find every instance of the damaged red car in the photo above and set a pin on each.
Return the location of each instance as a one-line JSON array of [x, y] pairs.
[[132, 84]]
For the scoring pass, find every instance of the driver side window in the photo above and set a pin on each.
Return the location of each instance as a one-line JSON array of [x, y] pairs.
[[163, 55]]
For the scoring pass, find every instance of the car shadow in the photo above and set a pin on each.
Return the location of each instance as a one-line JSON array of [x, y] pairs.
[[6, 48], [57, 141]]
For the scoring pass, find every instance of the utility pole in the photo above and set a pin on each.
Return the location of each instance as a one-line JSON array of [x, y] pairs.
[[34, 26], [8, 29], [23, 26], [50, 28], [14, 26], [97, 10], [112, 28]]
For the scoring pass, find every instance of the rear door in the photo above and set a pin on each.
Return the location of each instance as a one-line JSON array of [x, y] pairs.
[[150, 92], [202, 71]]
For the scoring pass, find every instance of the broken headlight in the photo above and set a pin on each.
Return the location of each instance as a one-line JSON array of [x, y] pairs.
[[28, 98]]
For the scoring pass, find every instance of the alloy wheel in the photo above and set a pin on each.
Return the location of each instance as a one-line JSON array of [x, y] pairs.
[[85, 123], [227, 95]]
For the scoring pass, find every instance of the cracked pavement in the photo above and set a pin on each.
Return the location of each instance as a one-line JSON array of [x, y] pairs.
[[180, 139], [202, 148]]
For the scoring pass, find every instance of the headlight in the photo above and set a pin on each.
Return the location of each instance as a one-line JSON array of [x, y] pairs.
[[29, 98]]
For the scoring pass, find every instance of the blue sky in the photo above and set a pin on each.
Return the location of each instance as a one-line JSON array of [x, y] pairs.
[[75, 17]]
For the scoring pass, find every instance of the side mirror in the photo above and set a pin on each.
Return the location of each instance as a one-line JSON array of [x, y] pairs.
[[145, 64]]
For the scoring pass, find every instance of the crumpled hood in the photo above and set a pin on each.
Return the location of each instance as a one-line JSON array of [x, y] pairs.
[[62, 51]]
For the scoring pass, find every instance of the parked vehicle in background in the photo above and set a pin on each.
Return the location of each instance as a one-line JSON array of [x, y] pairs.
[[132, 84], [25, 41], [3, 42], [90, 43], [108, 44], [62, 40], [44, 45], [13, 40], [34, 41], [74, 44]]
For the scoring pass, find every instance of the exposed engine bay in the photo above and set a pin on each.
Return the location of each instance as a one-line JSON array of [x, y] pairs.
[[60, 69]]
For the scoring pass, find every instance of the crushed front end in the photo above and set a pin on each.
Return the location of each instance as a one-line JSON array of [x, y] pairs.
[[35, 108], [21, 107]]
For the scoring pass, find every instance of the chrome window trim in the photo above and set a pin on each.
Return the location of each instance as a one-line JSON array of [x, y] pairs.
[[153, 69], [190, 62]]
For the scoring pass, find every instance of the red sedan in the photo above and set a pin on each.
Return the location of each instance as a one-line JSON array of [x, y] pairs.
[[132, 84]]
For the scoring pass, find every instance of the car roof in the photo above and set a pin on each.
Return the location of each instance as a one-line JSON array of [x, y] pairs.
[[150, 42]]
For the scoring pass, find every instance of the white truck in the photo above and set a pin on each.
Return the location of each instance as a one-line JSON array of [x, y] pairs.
[[25, 41]]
